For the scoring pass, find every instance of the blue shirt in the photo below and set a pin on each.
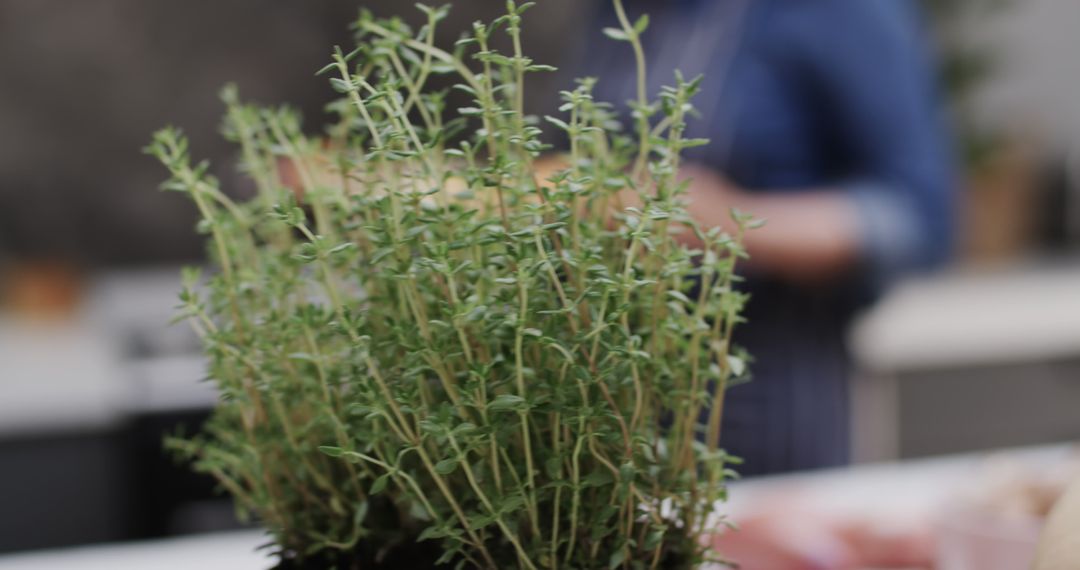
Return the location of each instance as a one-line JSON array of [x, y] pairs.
[[802, 95]]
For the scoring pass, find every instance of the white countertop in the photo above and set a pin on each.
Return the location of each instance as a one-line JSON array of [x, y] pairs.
[[221, 551], [898, 492], [77, 374], [905, 491], [974, 317], [55, 376]]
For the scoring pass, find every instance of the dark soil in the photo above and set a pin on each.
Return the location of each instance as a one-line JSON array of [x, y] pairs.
[[420, 556]]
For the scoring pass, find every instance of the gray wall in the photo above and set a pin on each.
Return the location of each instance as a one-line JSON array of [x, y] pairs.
[[84, 83], [1037, 88]]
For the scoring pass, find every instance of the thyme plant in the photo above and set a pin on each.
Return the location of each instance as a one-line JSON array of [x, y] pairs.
[[431, 337]]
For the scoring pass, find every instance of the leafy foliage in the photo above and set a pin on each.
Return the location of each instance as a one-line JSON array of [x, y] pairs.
[[443, 340], [966, 65]]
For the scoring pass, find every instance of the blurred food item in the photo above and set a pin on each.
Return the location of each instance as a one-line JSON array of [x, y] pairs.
[[45, 289], [970, 539], [785, 539], [1059, 546], [995, 524], [1016, 490], [879, 544], [786, 536]]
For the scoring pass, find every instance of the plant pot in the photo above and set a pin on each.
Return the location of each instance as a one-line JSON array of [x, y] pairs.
[[999, 207]]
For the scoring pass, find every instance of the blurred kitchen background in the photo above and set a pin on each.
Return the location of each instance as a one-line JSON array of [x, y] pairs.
[[983, 355]]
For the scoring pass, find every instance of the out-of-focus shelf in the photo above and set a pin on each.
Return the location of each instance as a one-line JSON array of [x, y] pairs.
[[114, 358], [969, 317], [972, 358], [55, 376]]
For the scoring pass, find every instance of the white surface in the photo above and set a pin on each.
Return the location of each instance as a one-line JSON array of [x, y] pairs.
[[74, 375], [55, 375], [168, 384], [967, 318], [224, 551], [900, 493]]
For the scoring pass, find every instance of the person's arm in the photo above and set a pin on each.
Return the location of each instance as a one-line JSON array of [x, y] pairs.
[[808, 236], [890, 210]]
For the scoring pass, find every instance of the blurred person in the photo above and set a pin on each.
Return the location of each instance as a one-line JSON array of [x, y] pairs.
[[824, 121]]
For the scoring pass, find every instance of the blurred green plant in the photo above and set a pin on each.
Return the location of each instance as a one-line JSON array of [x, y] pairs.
[[965, 66], [444, 340]]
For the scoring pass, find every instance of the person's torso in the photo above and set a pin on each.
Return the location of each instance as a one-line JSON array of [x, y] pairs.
[[754, 106], [766, 135]]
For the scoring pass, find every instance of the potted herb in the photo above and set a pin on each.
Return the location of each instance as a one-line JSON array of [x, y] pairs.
[[444, 351]]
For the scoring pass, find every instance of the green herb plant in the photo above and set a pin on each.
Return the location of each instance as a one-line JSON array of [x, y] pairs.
[[430, 337]]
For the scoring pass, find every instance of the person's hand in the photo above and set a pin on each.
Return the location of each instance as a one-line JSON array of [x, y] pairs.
[[289, 176], [709, 191]]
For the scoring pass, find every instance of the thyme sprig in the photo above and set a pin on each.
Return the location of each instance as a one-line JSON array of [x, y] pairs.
[[437, 335]]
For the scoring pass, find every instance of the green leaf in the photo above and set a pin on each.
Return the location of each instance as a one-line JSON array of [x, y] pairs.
[[380, 484], [341, 86], [736, 365], [654, 538], [342, 247], [507, 403], [446, 466], [470, 111], [429, 533], [331, 451], [616, 34], [360, 514], [641, 24], [598, 479], [679, 295], [617, 558], [352, 54], [557, 122], [627, 472]]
